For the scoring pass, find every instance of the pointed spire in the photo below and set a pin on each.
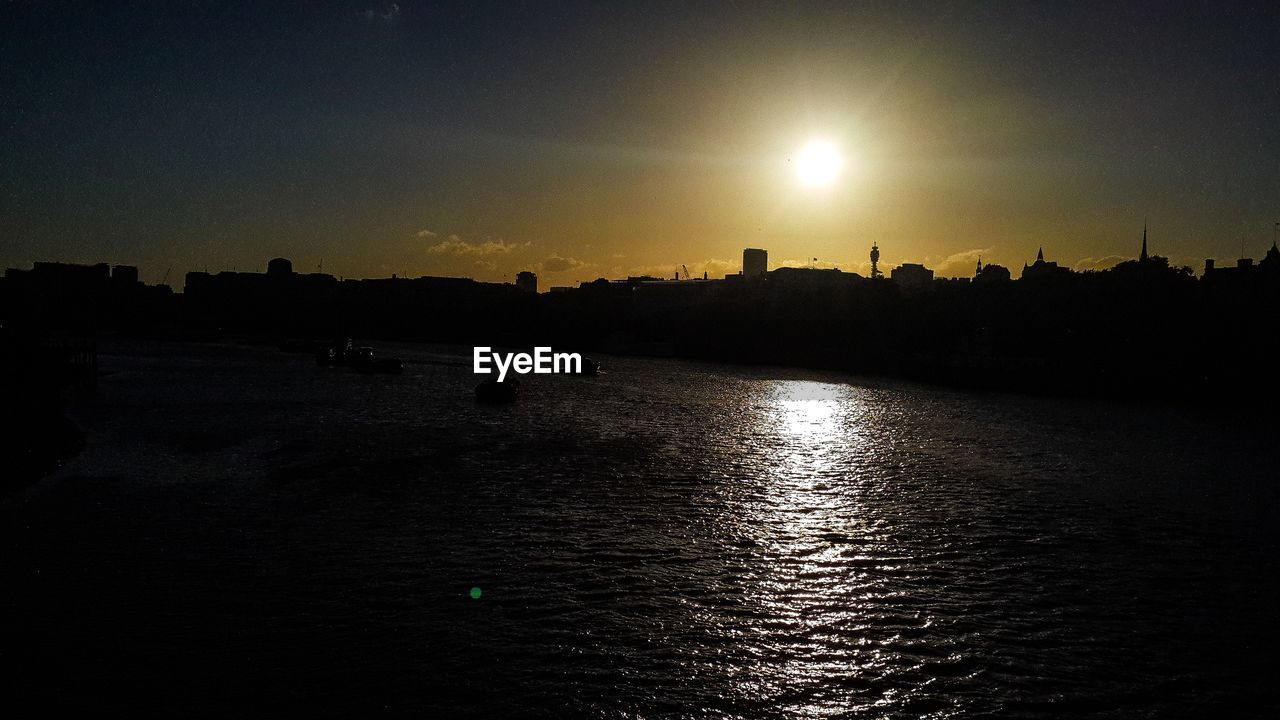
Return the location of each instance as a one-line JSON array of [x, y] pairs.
[[979, 265], [1040, 255], [1143, 256]]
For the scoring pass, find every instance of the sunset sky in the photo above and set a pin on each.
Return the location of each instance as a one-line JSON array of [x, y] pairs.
[[589, 140]]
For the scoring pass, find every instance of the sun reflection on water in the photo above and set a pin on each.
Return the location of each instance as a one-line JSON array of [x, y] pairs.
[[817, 549], [810, 429]]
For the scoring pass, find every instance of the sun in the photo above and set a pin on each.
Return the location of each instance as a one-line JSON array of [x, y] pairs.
[[819, 163]]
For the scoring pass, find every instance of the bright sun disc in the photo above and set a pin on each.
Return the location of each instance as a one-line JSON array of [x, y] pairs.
[[818, 163]]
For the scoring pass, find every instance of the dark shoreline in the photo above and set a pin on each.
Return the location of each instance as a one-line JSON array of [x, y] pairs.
[[1033, 379]]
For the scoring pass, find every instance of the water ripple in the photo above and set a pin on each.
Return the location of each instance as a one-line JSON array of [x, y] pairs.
[[668, 539]]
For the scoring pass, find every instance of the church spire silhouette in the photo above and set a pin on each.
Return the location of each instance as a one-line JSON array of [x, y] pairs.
[[1143, 256], [1040, 254]]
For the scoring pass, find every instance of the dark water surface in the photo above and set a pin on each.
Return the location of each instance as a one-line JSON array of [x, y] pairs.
[[247, 533]]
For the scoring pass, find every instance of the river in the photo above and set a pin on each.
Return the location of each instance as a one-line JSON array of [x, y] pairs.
[[249, 533]]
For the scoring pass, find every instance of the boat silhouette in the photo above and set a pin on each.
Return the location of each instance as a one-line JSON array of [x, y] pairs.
[[364, 360]]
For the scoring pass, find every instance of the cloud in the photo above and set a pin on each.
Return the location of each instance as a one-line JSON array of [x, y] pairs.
[[556, 264], [426, 234], [454, 245], [486, 265], [961, 264], [658, 271], [788, 262], [384, 12], [1102, 263], [713, 267]]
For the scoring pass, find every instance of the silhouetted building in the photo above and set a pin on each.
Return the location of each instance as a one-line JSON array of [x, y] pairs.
[[1042, 269], [279, 267], [124, 275], [69, 275], [527, 281], [633, 280], [1271, 261], [991, 273], [666, 296], [755, 263], [81, 297], [912, 275], [1123, 330], [812, 277], [1244, 268], [875, 261]]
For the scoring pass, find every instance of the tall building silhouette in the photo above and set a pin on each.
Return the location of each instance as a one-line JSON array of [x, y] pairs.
[[755, 262], [527, 281]]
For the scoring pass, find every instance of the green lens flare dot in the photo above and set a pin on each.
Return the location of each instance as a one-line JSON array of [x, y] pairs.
[[475, 593]]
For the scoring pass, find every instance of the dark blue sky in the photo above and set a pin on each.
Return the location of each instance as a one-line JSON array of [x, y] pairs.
[[600, 139]]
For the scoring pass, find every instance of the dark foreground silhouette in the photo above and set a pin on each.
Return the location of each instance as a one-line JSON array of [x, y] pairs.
[[1141, 330]]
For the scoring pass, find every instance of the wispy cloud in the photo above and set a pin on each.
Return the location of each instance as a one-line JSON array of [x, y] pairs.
[[713, 267], [1102, 263], [792, 263], [557, 264], [426, 234], [961, 264], [658, 271], [383, 12], [454, 245]]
